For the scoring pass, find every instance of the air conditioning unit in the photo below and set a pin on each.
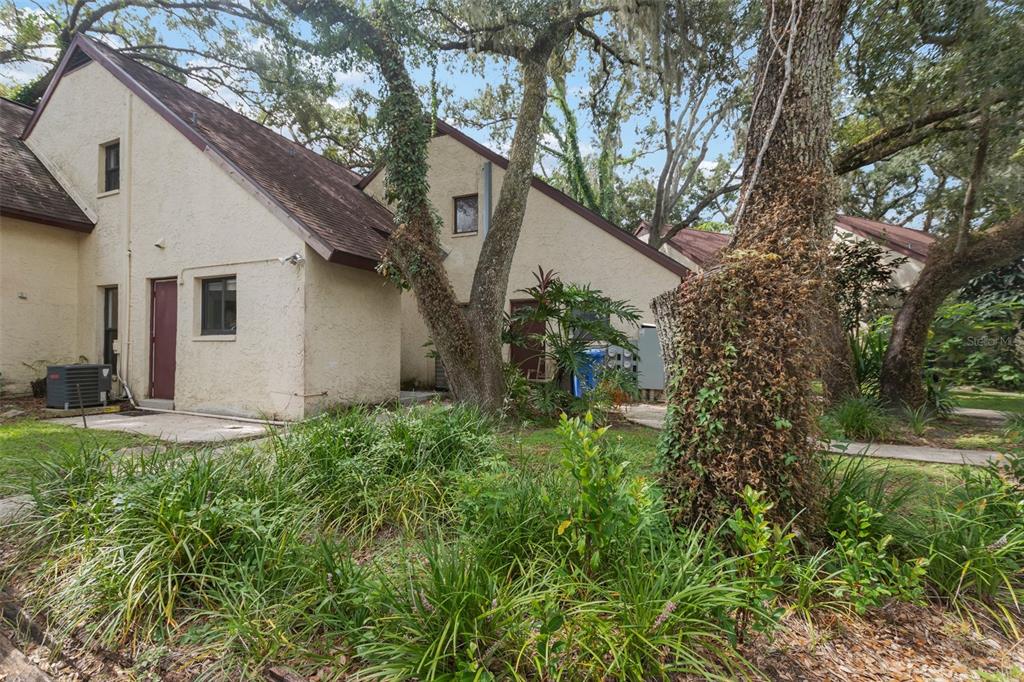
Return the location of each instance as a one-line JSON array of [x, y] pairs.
[[76, 386]]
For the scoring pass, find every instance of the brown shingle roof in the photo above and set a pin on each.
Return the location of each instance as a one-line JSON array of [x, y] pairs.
[[335, 217], [699, 246], [912, 243], [702, 247], [27, 189]]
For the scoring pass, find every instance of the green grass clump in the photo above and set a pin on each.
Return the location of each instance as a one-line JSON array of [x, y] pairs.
[[860, 418], [367, 470]]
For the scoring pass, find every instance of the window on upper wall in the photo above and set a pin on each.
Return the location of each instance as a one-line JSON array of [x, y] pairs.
[[218, 312], [466, 214], [111, 166]]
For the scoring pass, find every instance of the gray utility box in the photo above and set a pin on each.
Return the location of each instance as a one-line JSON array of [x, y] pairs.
[[76, 386], [652, 369]]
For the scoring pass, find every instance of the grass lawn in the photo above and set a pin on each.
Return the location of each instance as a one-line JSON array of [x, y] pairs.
[[987, 399], [27, 443]]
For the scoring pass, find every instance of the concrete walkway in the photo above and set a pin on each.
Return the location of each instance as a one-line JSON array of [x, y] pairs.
[[979, 414], [653, 416], [177, 428]]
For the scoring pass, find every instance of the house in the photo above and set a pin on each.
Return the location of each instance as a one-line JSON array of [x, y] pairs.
[[558, 234], [222, 268], [697, 249], [219, 266]]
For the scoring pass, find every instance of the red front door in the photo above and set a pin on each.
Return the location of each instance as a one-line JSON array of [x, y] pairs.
[[529, 357], [163, 338]]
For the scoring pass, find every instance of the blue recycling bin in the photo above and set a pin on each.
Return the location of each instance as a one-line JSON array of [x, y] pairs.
[[587, 378]]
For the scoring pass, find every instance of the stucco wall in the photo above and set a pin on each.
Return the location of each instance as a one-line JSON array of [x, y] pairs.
[[352, 335], [181, 216], [38, 300], [552, 237]]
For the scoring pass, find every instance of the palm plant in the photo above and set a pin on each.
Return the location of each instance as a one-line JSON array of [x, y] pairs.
[[575, 317]]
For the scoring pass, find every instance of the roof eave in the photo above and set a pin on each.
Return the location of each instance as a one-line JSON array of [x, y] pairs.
[[31, 216]]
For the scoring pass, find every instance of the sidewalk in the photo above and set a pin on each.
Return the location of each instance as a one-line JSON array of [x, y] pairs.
[[653, 416]]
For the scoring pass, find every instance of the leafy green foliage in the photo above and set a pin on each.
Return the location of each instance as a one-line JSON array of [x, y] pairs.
[[973, 343], [867, 348], [765, 551], [869, 574], [575, 317], [608, 505], [249, 556], [863, 284], [368, 470]]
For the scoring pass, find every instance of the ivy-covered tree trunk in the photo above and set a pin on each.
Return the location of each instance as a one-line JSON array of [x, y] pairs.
[[466, 337], [948, 268], [743, 339]]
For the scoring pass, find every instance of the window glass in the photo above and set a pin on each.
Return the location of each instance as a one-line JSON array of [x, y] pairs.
[[465, 214], [111, 167], [218, 313]]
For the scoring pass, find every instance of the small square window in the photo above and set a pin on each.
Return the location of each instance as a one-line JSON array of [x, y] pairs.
[[111, 167], [218, 306], [466, 214]]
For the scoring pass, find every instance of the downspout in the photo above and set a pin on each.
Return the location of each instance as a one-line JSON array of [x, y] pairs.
[[124, 360], [486, 214]]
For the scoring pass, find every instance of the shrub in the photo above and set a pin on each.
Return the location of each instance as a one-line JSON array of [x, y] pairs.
[[869, 574], [867, 348], [607, 505], [664, 613], [449, 617], [861, 418], [367, 469], [918, 419], [765, 553], [158, 536]]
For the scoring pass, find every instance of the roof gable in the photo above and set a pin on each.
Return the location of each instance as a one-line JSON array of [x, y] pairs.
[[314, 196], [27, 188], [557, 195]]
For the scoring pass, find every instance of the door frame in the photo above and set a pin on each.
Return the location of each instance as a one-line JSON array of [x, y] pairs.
[[540, 357], [152, 326]]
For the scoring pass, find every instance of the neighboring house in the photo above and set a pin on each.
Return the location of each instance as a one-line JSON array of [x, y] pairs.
[[697, 249], [558, 234], [223, 268]]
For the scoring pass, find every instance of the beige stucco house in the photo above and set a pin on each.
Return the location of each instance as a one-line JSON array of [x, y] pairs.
[[219, 266], [558, 234], [222, 268]]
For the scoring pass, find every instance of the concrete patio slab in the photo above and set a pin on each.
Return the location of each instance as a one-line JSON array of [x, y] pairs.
[[414, 397], [653, 416], [177, 428]]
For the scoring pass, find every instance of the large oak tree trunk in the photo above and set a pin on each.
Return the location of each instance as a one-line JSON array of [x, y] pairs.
[[948, 268], [742, 335]]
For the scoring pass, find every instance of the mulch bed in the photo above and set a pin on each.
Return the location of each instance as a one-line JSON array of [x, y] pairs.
[[899, 643]]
